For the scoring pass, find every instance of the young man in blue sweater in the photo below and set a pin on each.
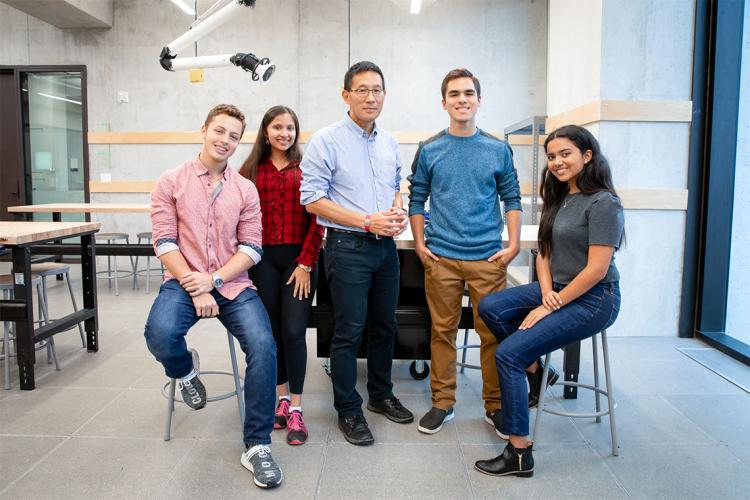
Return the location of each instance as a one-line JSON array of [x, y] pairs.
[[462, 170]]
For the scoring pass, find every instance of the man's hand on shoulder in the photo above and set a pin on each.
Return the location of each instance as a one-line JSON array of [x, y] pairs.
[[196, 283], [205, 305]]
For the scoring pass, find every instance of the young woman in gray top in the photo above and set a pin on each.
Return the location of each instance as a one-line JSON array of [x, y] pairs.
[[577, 294]]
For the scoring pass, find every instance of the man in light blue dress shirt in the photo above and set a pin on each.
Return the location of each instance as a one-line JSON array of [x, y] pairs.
[[351, 175]]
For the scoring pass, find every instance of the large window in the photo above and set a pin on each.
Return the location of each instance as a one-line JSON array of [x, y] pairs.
[[723, 316]]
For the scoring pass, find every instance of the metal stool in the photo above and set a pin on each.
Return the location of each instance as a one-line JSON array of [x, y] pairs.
[[111, 274], [146, 272], [45, 269], [238, 385], [6, 285], [611, 404]]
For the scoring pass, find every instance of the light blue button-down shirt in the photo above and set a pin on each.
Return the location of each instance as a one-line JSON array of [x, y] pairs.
[[358, 172]]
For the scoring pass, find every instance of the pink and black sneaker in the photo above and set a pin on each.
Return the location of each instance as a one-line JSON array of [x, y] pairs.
[[282, 414], [297, 430]]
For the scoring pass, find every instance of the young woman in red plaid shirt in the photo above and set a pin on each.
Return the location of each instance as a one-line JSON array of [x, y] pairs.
[[286, 276]]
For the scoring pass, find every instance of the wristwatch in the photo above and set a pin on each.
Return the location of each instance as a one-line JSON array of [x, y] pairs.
[[217, 280], [305, 268]]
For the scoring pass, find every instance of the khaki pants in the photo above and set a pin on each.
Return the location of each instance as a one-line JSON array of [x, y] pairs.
[[444, 286]]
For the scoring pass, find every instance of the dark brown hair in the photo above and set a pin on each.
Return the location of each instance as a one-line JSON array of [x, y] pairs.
[[596, 176], [262, 149], [460, 73], [225, 109]]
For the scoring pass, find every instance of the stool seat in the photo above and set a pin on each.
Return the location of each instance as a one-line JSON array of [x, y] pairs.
[[49, 268], [6, 281], [145, 235], [111, 236]]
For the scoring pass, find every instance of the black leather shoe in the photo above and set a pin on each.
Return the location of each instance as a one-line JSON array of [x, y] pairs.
[[355, 430], [393, 409], [513, 461], [535, 382]]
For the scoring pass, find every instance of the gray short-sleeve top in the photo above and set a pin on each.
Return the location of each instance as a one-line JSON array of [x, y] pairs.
[[583, 220]]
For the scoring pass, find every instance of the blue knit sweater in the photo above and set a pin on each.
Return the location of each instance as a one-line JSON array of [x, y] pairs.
[[463, 177]]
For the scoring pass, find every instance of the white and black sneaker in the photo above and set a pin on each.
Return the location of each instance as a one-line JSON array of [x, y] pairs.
[[433, 420], [495, 419], [258, 460], [192, 389]]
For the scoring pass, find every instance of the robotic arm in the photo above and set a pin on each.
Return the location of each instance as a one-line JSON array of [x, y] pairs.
[[260, 68]]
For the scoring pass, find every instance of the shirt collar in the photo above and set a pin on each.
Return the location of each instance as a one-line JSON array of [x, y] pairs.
[[200, 169], [354, 127]]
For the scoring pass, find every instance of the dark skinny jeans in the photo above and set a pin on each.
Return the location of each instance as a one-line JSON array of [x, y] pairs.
[[504, 311]]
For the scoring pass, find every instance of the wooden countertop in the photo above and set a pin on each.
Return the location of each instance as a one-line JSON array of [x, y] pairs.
[[19, 233], [83, 208]]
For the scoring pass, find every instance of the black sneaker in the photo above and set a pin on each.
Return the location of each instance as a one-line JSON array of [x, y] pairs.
[[433, 420], [258, 460], [193, 391], [495, 419], [535, 382], [392, 409], [355, 430]]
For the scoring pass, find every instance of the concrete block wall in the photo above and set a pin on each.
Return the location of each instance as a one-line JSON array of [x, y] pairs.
[[639, 51], [502, 42]]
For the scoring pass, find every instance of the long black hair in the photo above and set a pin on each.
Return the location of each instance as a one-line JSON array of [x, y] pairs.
[[262, 149], [596, 176]]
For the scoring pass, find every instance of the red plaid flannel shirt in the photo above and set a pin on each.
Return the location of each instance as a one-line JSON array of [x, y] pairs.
[[285, 220]]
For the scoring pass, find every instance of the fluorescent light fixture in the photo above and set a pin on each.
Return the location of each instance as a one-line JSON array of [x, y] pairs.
[[184, 8], [58, 98], [416, 5]]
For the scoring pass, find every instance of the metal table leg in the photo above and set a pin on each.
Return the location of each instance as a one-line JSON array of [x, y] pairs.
[[25, 325]]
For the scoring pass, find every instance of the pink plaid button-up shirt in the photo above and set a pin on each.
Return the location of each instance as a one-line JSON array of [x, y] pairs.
[[207, 225]]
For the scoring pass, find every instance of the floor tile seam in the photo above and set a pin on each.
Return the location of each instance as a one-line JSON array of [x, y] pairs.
[[467, 476], [324, 458], [35, 465], [96, 414], [603, 459], [715, 372], [178, 464], [680, 412]]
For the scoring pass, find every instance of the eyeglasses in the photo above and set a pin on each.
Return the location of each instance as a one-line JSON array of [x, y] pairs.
[[363, 93]]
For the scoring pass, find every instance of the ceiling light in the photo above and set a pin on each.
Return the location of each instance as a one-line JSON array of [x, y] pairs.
[[416, 5], [58, 98]]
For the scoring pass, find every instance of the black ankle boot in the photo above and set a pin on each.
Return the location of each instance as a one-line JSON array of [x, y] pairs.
[[516, 461], [535, 382]]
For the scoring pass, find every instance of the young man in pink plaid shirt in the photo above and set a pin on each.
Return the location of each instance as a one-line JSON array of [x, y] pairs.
[[207, 232]]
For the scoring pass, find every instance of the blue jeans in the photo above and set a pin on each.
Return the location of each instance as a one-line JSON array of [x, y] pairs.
[[503, 313], [172, 315], [363, 275]]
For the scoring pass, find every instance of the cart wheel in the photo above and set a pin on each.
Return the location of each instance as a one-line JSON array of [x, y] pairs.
[[419, 374]]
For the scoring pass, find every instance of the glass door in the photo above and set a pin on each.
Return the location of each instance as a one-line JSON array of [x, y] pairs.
[[53, 114]]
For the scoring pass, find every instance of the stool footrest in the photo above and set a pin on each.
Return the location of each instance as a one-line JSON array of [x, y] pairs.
[[210, 399]]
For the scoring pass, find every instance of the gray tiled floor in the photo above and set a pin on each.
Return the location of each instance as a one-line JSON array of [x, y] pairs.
[[95, 428]]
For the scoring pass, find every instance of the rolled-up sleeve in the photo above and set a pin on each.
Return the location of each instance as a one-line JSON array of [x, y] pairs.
[[419, 184], [164, 217], [250, 226], [507, 182], [317, 171]]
